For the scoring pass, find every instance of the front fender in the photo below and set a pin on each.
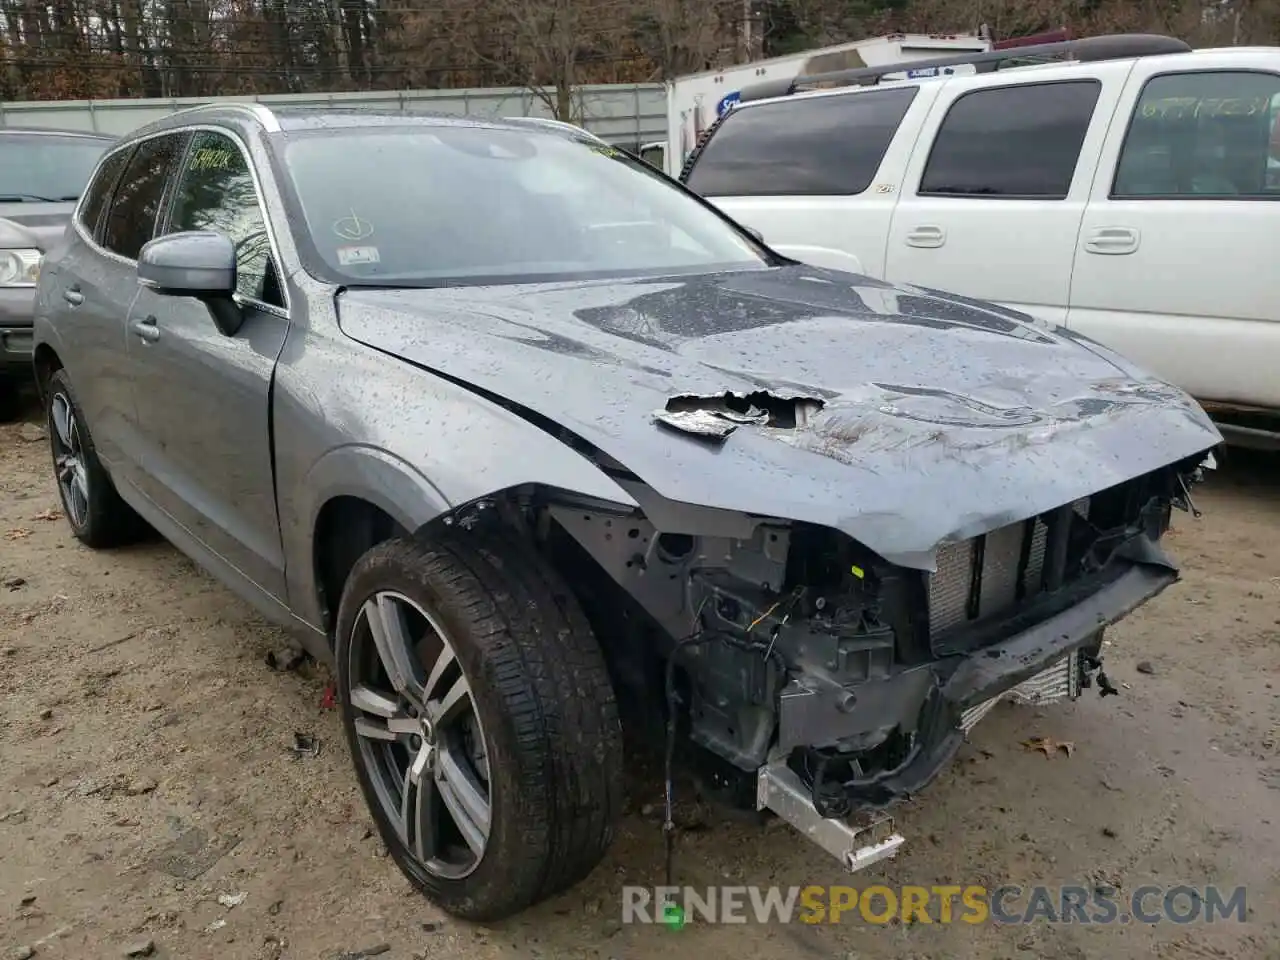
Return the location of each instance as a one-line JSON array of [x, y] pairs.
[[353, 422]]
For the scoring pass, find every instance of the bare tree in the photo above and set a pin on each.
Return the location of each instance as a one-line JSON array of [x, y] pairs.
[[61, 49], [681, 36], [544, 45]]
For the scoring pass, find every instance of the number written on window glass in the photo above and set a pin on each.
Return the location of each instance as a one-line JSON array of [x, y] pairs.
[[1202, 135], [217, 192]]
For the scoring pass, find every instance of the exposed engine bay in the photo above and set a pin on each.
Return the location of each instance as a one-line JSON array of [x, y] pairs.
[[805, 671]]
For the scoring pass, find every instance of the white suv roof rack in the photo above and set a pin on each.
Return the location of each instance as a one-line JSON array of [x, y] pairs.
[[1117, 46]]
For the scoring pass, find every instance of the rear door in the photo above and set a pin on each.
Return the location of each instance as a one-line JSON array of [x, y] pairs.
[[816, 175], [992, 200], [89, 331], [1176, 265]]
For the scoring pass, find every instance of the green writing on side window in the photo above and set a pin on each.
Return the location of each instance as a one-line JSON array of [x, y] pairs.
[[1185, 108], [209, 159]]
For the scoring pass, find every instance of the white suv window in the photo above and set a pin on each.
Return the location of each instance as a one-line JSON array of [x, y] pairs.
[[1016, 142], [805, 147], [1201, 135]]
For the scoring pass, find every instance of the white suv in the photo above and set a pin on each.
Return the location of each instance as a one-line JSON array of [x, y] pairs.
[[1131, 198]]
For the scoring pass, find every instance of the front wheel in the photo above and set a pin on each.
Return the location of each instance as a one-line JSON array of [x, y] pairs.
[[481, 720]]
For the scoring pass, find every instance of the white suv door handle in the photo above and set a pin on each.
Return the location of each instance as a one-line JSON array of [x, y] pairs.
[[927, 236], [1113, 241]]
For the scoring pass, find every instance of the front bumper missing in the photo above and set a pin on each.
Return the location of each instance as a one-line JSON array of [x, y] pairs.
[[856, 844], [860, 842], [1037, 666]]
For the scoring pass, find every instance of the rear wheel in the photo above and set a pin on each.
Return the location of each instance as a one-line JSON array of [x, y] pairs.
[[10, 398], [93, 508], [480, 718]]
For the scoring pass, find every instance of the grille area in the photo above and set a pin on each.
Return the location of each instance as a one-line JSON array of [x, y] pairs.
[[993, 562]]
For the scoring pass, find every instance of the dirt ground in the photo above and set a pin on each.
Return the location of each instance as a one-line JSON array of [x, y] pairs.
[[147, 770]]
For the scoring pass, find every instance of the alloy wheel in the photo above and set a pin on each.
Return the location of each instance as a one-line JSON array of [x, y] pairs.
[[69, 461], [419, 734]]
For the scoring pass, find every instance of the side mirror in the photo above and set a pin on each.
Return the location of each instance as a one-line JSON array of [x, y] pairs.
[[197, 263], [754, 232]]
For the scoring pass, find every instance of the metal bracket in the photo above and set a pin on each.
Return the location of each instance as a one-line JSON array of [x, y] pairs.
[[856, 846]]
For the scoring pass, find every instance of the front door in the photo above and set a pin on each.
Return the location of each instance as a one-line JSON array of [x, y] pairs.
[[203, 400]]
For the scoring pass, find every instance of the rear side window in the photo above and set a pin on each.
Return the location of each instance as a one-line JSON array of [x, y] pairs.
[[809, 146], [132, 217], [98, 192], [1014, 142], [1203, 135]]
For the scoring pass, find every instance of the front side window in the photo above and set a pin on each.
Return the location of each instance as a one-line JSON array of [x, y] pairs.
[[1015, 142], [438, 204], [216, 192], [1205, 134], [809, 146], [44, 167], [98, 194], [132, 217]]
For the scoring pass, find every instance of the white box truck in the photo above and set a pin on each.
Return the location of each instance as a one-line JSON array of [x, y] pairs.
[[695, 101]]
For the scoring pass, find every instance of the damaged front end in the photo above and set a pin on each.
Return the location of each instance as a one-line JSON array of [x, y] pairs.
[[811, 677]]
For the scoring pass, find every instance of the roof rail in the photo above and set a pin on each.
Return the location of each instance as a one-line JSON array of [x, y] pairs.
[[259, 111], [1117, 46], [562, 125]]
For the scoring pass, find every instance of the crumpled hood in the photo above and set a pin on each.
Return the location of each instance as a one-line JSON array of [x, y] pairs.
[[943, 417]]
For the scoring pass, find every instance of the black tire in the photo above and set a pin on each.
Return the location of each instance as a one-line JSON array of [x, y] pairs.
[[10, 398], [552, 738], [100, 519]]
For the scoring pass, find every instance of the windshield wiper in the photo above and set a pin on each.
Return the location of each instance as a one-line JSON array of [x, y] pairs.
[[25, 197]]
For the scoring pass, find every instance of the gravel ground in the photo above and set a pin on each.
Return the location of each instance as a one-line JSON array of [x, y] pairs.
[[150, 796]]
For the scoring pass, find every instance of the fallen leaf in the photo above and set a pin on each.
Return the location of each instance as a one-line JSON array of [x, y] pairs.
[[50, 514], [1048, 746], [18, 534]]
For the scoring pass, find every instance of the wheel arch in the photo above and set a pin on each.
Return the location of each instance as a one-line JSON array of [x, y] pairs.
[[361, 496], [46, 361]]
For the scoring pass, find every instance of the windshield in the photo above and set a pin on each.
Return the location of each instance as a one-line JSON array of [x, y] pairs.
[[435, 205], [42, 167]]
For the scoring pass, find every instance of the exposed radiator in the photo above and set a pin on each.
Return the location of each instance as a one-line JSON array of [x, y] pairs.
[[1061, 681], [992, 561]]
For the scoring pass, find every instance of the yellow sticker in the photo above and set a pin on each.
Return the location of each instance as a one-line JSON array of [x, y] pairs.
[[210, 159], [858, 572]]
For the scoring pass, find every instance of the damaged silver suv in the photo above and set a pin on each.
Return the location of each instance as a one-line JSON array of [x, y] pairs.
[[530, 443]]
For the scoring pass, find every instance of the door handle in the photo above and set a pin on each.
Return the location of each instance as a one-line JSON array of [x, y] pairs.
[[73, 296], [1113, 241], [927, 236], [146, 329]]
